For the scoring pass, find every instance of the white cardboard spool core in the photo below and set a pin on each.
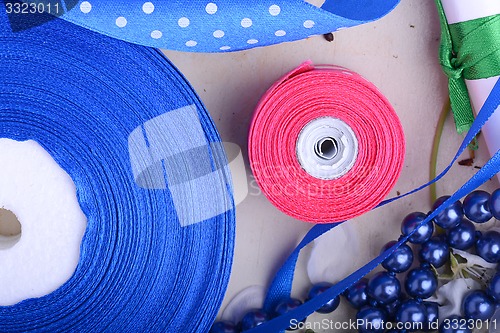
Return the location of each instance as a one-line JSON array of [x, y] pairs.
[[327, 148], [10, 229], [45, 252]]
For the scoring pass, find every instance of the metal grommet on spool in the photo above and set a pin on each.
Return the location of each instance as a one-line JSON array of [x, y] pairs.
[[327, 148]]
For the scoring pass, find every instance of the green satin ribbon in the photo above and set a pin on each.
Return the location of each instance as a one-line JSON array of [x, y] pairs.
[[469, 50]]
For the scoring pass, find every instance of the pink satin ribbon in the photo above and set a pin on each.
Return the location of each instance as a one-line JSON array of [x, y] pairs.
[[303, 95]]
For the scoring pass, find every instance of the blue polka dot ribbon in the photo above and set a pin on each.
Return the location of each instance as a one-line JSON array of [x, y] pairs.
[[215, 25]]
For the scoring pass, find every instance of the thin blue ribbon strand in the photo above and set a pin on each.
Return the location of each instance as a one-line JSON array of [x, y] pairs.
[[214, 25], [97, 105], [281, 286]]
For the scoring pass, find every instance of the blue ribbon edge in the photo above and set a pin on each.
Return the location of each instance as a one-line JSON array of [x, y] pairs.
[[335, 10]]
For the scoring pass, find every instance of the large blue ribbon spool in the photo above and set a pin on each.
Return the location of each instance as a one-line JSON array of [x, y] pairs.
[[157, 250], [212, 25]]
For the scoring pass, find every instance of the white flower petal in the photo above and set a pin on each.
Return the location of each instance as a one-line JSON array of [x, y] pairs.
[[451, 294], [246, 300], [327, 260], [473, 259]]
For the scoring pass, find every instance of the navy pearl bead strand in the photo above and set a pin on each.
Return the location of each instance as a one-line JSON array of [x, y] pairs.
[[381, 298]]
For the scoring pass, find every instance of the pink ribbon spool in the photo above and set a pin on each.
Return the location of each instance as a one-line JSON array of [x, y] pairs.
[[325, 145]]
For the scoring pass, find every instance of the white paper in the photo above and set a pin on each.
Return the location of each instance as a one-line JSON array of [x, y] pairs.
[[466, 10], [479, 90]]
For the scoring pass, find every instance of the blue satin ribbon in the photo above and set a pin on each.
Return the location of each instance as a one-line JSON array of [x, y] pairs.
[[282, 284], [124, 124], [214, 25]]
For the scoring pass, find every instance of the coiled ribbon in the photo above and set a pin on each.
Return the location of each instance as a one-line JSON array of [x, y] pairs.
[[150, 175], [469, 50], [282, 284], [213, 25], [370, 159]]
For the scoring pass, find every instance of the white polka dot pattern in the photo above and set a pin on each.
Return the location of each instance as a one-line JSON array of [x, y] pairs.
[[121, 22], [246, 22], [85, 7], [183, 22], [156, 34], [148, 7], [309, 24], [213, 25], [211, 8], [274, 10], [218, 34]]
